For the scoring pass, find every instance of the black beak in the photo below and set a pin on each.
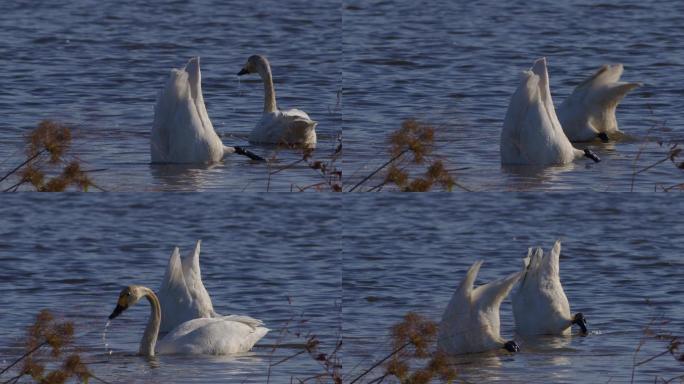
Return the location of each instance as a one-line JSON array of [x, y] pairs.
[[588, 153], [512, 346], [604, 137], [117, 311], [581, 321], [243, 71]]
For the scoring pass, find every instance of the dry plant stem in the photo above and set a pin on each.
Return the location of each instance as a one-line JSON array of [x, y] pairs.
[[23, 357], [388, 162], [377, 364], [30, 159]]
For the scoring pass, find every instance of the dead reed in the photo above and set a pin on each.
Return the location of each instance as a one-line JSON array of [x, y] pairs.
[[49, 166]]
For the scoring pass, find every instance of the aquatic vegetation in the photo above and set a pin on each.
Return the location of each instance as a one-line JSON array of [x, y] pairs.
[[51, 356], [49, 164], [411, 151], [655, 331], [413, 340], [328, 170]]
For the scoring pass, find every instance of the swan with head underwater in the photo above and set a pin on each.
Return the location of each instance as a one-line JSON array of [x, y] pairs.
[[470, 323], [532, 134], [540, 306], [184, 308], [276, 126], [589, 112], [182, 131]]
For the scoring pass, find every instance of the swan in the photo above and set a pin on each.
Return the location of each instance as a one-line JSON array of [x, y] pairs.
[[540, 306], [182, 294], [589, 112], [216, 336], [182, 131], [532, 134], [291, 126], [470, 323]]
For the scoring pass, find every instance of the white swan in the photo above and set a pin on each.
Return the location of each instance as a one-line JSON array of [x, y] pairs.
[[532, 134], [540, 306], [182, 131], [292, 126], [182, 294], [216, 336], [470, 323], [589, 112]]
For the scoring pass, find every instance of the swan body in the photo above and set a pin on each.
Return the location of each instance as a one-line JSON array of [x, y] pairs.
[[532, 134], [470, 323], [216, 336], [182, 131], [182, 295], [589, 112], [278, 127], [540, 306]]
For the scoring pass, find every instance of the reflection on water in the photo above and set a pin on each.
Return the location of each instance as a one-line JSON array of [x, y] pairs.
[[455, 65], [621, 265], [73, 256], [99, 69]]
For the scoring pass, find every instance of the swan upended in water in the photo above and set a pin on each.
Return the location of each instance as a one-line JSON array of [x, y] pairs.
[[216, 336], [182, 131], [589, 112], [182, 294], [470, 323], [291, 126], [540, 306], [532, 134]]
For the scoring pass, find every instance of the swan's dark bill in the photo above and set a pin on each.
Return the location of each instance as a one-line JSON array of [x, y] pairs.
[[512, 346], [243, 71], [581, 321], [248, 153], [588, 153], [604, 137], [117, 311]]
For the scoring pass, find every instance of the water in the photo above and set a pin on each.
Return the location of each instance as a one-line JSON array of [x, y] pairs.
[[621, 266], [73, 256], [455, 65], [99, 66]]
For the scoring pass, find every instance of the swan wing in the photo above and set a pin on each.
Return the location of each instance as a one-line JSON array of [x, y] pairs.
[[201, 301], [291, 127], [215, 336], [174, 298]]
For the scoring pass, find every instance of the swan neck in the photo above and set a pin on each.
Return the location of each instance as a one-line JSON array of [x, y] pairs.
[[269, 91], [149, 339]]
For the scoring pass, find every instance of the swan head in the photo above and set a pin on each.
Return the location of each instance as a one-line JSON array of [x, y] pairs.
[[253, 64], [511, 346], [128, 297], [581, 321]]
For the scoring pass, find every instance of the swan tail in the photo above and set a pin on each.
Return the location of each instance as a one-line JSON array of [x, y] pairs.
[[193, 278], [173, 293], [169, 99], [551, 263], [493, 293], [469, 280], [614, 93], [242, 151]]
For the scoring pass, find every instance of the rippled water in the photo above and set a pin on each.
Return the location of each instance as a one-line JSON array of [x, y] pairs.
[[621, 266], [260, 256], [98, 67], [455, 64]]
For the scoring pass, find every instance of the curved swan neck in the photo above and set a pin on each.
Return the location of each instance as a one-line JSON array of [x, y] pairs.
[[149, 339], [269, 93]]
